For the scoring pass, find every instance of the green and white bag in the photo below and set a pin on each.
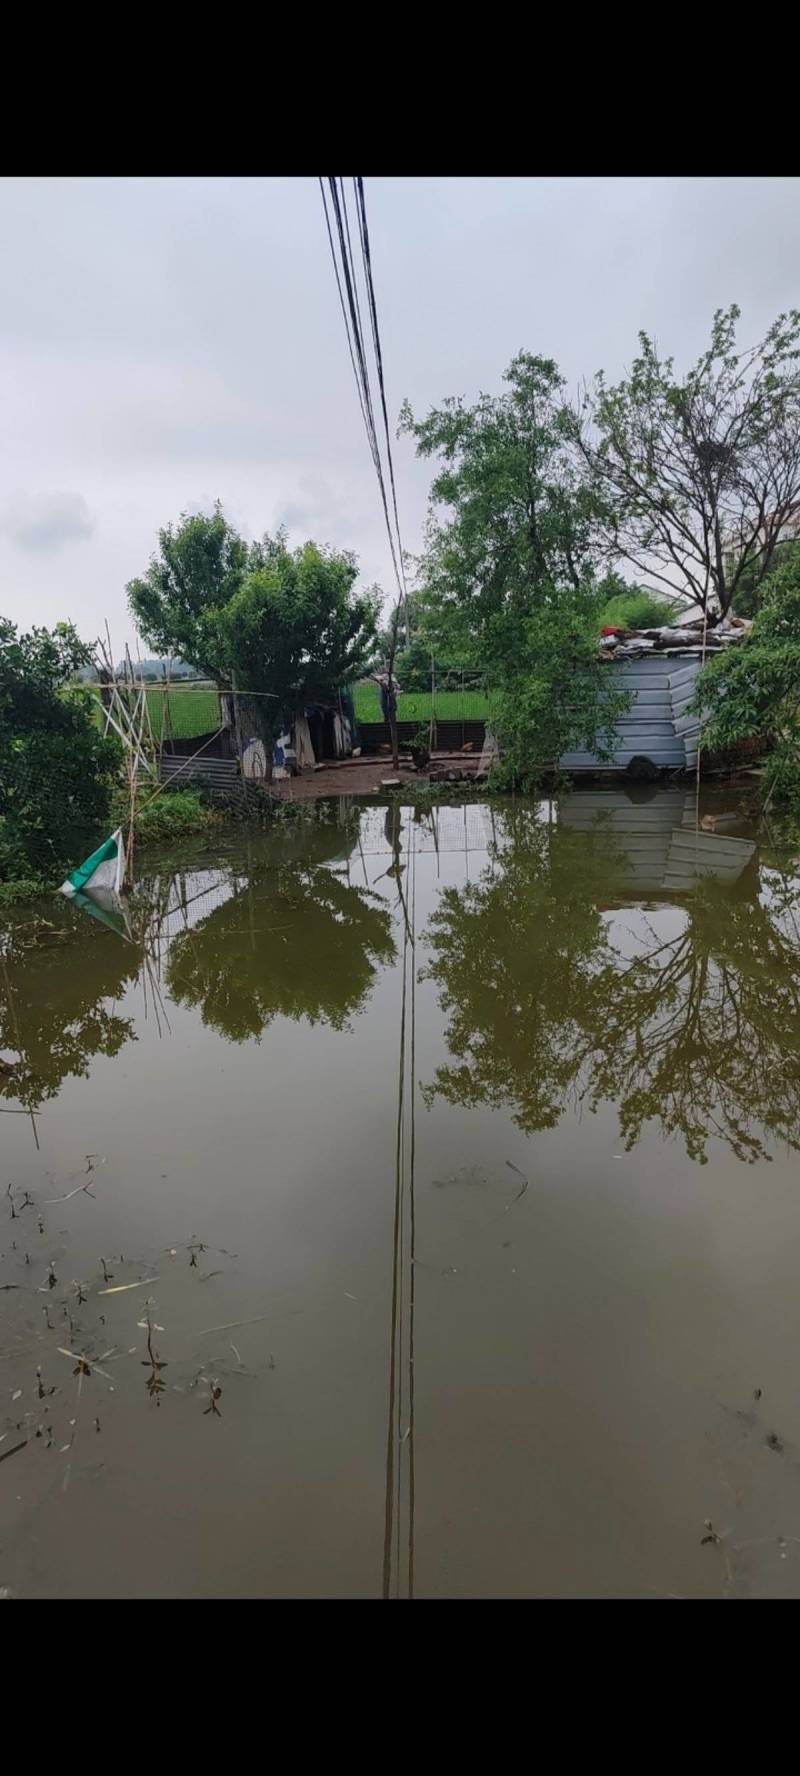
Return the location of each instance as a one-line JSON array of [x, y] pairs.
[[105, 868]]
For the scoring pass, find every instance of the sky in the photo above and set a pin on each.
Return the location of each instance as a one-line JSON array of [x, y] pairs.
[[168, 342]]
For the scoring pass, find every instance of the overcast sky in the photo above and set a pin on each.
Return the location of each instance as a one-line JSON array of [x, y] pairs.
[[167, 342]]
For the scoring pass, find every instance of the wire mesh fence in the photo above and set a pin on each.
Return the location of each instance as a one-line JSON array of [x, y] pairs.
[[452, 699], [186, 708]]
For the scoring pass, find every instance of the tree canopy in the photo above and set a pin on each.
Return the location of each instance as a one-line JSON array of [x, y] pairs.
[[752, 584], [295, 628], [58, 770], [284, 623], [507, 576], [508, 518], [200, 564], [694, 479]]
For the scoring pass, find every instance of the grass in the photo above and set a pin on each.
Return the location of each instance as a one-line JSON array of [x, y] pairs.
[[416, 705], [172, 815], [192, 711], [197, 711]]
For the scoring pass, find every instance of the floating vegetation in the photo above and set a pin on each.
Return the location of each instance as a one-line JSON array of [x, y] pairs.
[[215, 1392], [154, 1384]]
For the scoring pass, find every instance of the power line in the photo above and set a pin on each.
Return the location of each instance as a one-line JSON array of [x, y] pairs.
[[347, 286], [367, 259], [358, 351], [344, 310]]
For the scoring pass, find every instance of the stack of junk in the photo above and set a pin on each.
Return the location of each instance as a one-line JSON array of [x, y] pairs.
[[322, 731], [658, 667]]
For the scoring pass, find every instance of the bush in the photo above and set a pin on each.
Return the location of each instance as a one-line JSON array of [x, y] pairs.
[[173, 814], [637, 610], [754, 689], [58, 770]]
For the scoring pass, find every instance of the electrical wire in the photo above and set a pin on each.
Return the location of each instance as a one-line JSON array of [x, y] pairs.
[[347, 286], [376, 340]]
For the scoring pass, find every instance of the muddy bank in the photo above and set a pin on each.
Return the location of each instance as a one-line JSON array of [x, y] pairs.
[[356, 778]]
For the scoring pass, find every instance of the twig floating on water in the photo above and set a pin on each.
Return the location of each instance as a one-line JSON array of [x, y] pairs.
[[520, 1193], [13, 1450], [231, 1325], [119, 1288], [80, 1190]]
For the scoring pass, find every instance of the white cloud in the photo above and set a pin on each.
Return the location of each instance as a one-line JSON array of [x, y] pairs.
[[44, 522], [167, 341]]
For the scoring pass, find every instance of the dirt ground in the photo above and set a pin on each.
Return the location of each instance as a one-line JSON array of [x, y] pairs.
[[359, 777]]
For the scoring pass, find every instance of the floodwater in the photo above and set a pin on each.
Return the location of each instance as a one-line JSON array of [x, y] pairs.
[[407, 1203]]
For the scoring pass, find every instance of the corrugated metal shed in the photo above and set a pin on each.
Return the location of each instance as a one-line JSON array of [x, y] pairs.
[[219, 775], [656, 727]]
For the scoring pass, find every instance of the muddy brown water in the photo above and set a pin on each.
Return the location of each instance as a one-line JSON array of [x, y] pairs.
[[452, 1159]]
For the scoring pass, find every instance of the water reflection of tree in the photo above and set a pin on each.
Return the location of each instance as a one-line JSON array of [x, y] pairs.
[[700, 1031], [507, 952], [295, 940], [58, 982]]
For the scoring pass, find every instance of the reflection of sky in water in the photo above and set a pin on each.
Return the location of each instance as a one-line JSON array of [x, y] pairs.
[[585, 1351]]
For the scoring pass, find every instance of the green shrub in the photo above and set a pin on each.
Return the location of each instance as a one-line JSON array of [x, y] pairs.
[[58, 771], [637, 610], [173, 813], [754, 689]]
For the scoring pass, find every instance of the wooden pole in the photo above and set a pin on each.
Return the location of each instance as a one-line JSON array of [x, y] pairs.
[[237, 730], [391, 698]]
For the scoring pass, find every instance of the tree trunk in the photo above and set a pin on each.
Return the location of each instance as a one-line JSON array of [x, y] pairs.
[[254, 721]]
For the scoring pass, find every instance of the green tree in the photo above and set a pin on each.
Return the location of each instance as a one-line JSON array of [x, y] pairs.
[[508, 575], [749, 595], [695, 479], [412, 660], [283, 623], [295, 630], [199, 566], [58, 771], [754, 689]]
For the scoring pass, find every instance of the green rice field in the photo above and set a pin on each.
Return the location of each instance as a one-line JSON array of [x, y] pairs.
[[192, 711], [197, 711], [416, 705]]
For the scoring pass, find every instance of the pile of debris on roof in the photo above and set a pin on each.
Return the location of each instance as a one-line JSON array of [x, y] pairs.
[[677, 638]]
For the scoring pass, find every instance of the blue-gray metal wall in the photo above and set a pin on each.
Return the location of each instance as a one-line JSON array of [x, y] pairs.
[[656, 727]]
